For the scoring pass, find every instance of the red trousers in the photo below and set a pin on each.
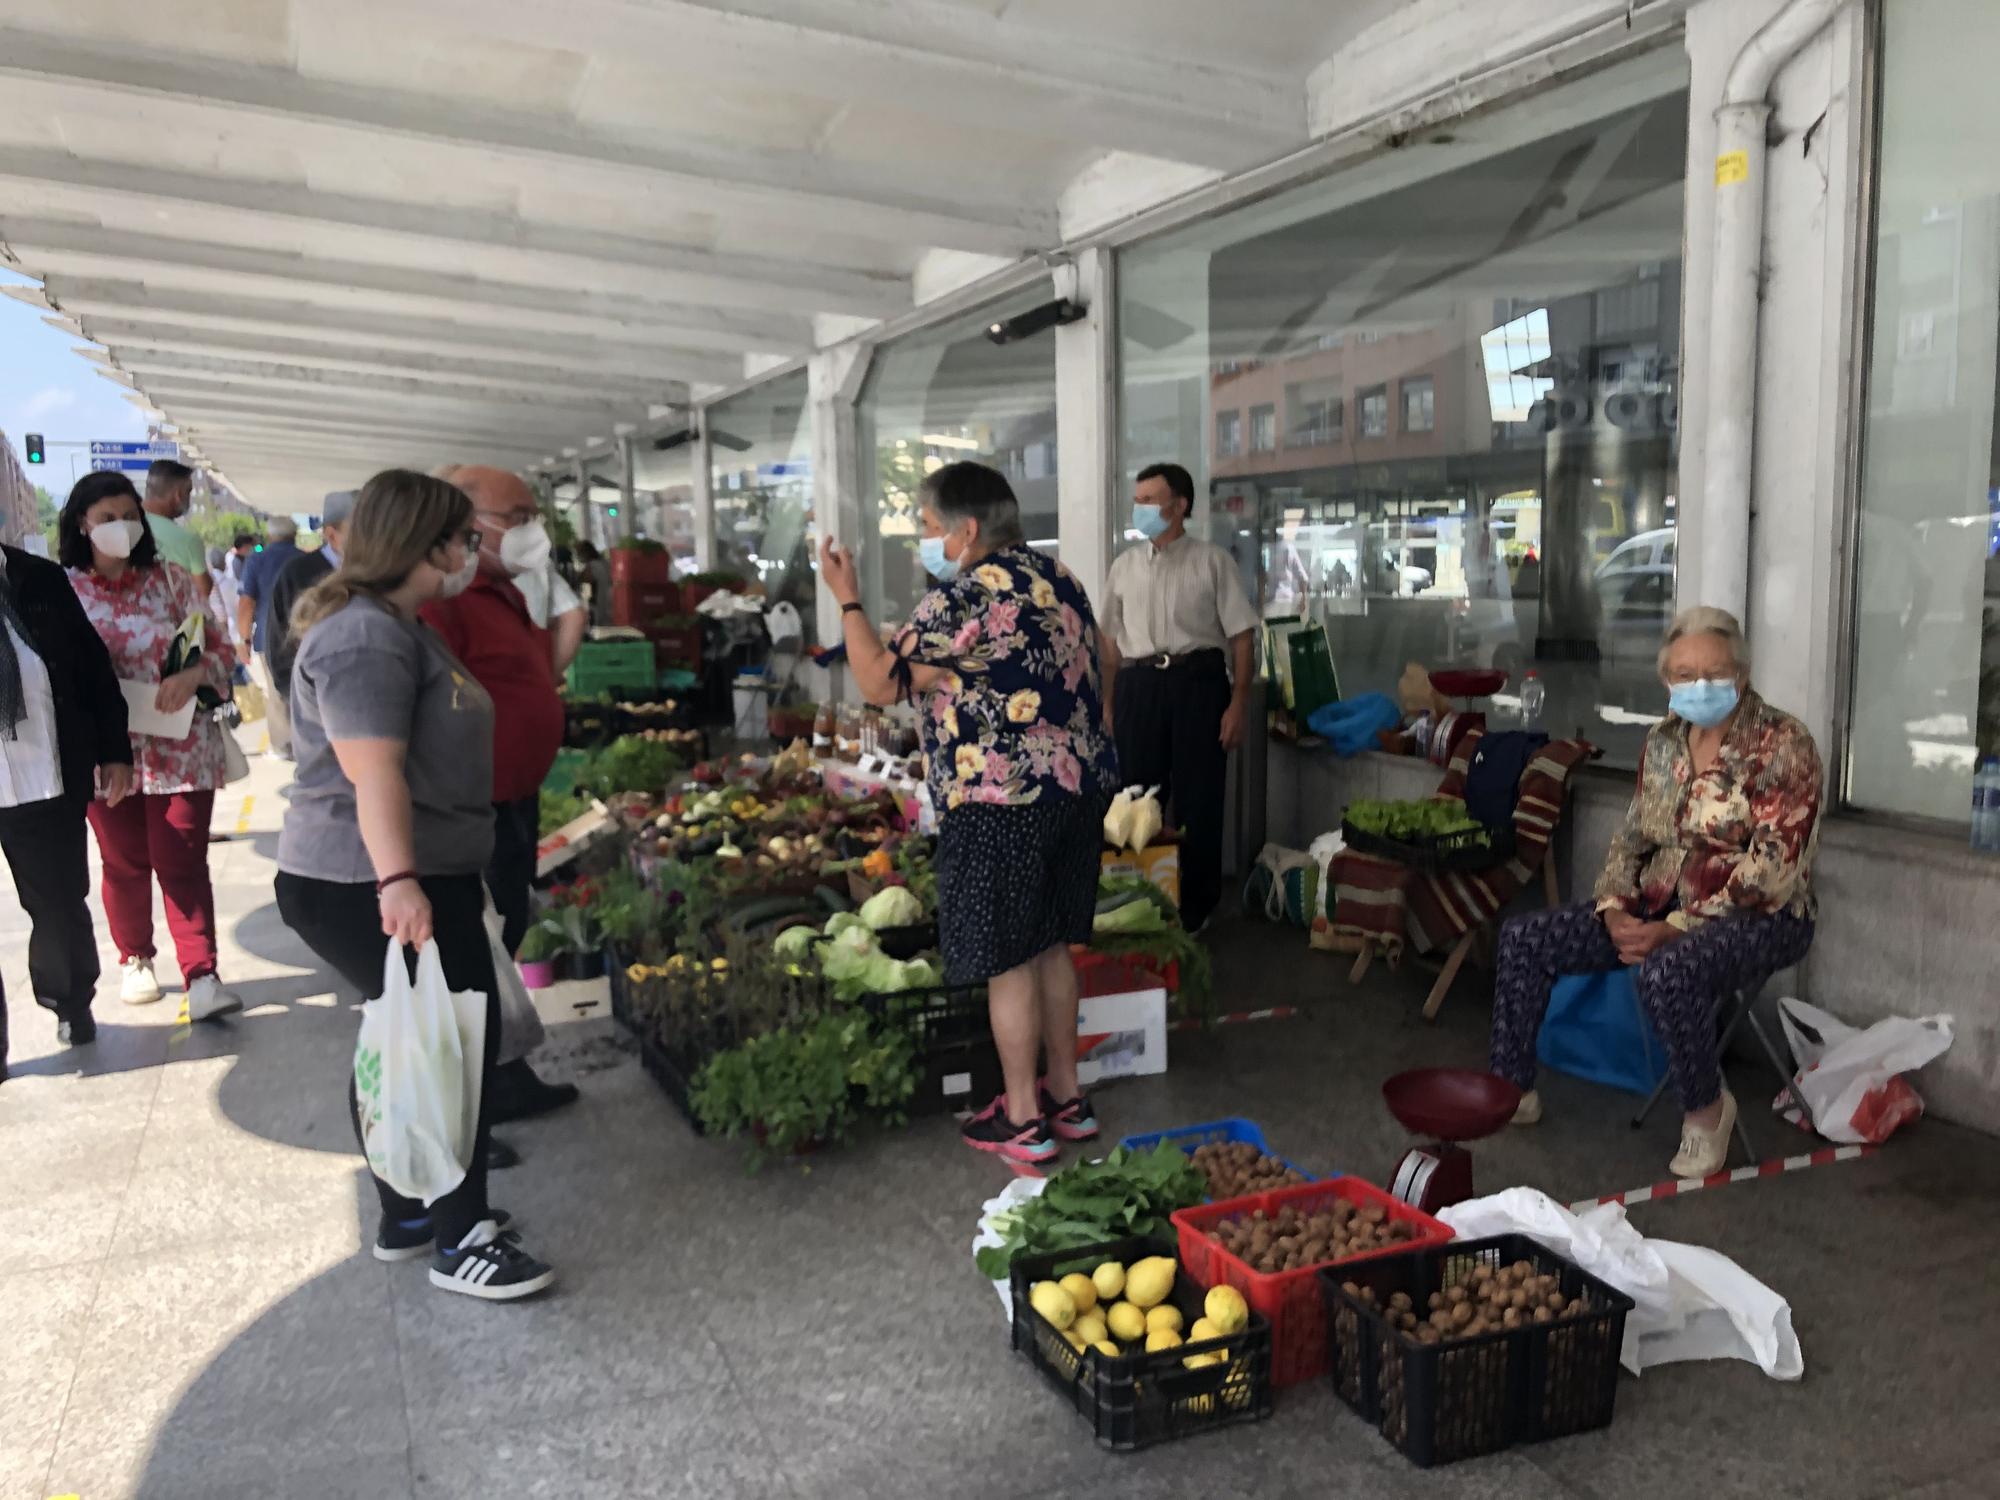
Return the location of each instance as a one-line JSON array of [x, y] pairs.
[[167, 836]]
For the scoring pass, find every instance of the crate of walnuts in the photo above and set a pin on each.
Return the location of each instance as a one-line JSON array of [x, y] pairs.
[[1268, 1245], [1470, 1347]]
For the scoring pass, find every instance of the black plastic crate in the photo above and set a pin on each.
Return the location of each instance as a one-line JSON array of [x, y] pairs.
[[1439, 1403], [615, 964], [1469, 849], [673, 1076], [1143, 1399], [958, 1067]]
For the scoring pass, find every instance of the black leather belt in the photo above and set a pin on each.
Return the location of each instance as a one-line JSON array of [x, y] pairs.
[[1207, 657]]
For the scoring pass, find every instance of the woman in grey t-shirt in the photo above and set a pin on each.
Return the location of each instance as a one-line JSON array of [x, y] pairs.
[[391, 819]]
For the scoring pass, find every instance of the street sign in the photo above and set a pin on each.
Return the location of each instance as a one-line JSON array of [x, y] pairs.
[[125, 465], [146, 450]]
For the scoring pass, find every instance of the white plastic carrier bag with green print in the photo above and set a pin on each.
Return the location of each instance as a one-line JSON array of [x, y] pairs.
[[416, 1076]]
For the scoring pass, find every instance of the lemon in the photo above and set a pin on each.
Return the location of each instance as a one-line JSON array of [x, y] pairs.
[[1203, 1331], [1053, 1303], [1148, 1282], [1109, 1279], [1162, 1338], [1203, 1361], [1082, 1291], [1226, 1309], [1106, 1348], [1075, 1342], [1090, 1327], [1125, 1321], [1164, 1316]]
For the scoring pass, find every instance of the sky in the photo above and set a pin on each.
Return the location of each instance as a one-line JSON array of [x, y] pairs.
[[45, 388]]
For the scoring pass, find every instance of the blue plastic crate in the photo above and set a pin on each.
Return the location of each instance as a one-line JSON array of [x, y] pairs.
[[1216, 1132]]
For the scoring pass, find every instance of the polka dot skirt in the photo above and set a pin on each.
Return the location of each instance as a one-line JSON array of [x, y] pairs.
[[1014, 882]]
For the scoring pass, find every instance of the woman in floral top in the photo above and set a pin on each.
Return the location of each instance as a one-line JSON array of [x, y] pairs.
[[138, 603], [1002, 658], [1707, 887]]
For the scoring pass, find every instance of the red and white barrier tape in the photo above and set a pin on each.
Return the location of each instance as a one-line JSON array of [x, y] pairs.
[[1238, 1017], [1777, 1166]]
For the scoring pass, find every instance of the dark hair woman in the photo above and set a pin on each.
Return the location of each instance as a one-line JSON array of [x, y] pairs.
[[1002, 657], [140, 605], [391, 820]]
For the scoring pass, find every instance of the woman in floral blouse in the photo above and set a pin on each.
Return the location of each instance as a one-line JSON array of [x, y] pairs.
[[1707, 887], [1002, 658], [139, 602]]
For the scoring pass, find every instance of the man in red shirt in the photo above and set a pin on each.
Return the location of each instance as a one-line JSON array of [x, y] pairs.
[[488, 628]]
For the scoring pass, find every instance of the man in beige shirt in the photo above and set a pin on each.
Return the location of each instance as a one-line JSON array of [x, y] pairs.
[[1175, 622]]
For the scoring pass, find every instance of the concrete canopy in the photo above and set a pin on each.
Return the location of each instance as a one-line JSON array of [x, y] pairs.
[[317, 238]]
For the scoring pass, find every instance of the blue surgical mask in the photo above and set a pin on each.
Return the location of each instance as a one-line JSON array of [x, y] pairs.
[[1147, 521], [931, 550], [1705, 702]]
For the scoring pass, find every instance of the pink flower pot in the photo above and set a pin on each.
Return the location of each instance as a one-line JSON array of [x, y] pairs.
[[538, 974]]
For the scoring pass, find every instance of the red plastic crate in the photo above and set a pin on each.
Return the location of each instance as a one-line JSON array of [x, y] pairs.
[[1291, 1300], [1121, 973]]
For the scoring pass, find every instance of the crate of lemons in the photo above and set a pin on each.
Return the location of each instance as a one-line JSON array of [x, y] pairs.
[[1117, 1311]]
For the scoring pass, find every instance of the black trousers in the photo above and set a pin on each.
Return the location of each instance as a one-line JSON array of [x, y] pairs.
[[517, 828], [1168, 725], [342, 924], [46, 849]]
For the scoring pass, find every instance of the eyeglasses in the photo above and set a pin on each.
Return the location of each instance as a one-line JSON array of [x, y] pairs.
[[510, 518], [468, 535]]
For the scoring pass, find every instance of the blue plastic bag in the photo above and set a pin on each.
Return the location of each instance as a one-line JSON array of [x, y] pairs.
[[1350, 725], [1596, 1029]]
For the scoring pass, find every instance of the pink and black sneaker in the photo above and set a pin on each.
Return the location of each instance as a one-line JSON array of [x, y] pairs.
[[991, 1130], [1074, 1121]]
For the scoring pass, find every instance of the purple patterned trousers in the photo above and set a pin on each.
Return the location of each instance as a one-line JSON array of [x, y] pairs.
[[1679, 984]]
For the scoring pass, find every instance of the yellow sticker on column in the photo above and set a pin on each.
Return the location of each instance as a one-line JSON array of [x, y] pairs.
[[1732, 166]]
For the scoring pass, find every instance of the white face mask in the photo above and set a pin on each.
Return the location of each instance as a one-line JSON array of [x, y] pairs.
[[116, 538], [457, 583], [525, 548]]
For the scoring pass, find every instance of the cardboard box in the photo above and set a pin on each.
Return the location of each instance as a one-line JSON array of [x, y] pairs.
[[1157, 863], [570, 840], [1121, 1036], [573, 1000]]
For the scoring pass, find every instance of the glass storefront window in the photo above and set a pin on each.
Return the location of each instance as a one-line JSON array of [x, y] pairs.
[[1469, 352], [664, 478], [760, 485], [938, 396], [1926, 675]]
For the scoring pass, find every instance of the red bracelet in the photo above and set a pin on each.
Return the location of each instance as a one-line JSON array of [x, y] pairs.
[[384, 884]]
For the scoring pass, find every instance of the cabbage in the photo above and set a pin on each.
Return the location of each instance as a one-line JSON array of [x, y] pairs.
[[893, 906], [1133, 916], [794, 943], [845, 921], [854, 966]]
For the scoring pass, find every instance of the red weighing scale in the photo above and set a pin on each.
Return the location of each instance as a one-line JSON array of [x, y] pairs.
[[1452, 1104]]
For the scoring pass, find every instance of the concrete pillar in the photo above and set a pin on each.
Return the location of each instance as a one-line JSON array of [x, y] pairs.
[[1087, 481], [833, 386], [586, 525], [703, 503], [628, 503]]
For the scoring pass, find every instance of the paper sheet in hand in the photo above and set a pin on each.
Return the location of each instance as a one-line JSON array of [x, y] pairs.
[[141, 717]]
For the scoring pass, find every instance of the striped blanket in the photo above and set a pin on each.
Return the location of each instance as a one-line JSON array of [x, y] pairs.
[[1385, 902]]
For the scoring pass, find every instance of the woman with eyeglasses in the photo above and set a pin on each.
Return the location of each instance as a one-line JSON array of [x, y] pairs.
[[391, 820]]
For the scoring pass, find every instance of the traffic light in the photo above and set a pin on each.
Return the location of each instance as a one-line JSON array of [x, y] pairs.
[[35, 453], [613, 510]]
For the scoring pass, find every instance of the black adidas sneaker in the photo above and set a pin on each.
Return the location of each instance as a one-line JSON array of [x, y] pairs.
[[490, 1264], [397, 1242]]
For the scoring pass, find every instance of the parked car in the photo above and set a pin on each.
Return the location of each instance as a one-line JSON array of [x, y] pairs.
[[1649, 549]]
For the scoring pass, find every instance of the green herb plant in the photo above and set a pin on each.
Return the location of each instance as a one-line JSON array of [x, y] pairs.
[[1089, 1202]]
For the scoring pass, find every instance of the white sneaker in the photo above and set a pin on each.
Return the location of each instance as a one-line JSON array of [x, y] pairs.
[[1703, 1153], [1529, 1110], [138, 986], [207, 999]]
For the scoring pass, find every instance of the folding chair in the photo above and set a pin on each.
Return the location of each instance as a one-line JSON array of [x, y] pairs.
[[1738, 1008]]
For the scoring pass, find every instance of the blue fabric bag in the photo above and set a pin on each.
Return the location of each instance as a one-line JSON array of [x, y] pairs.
[[1596, 1029], [1351, 724]]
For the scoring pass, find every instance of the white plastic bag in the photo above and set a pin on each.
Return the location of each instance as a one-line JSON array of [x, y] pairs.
[[521, 1028], [1691, 1303], [416, 1076], [1011, 1197], [1852, 1080]]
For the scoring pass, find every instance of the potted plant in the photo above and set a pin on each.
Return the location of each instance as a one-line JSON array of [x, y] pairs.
[[639, 560], [539, 950]]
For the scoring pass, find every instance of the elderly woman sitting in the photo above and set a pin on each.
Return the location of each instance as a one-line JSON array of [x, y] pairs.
[[1706, 888]]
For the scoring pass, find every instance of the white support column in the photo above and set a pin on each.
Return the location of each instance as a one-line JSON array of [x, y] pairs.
[[628, 491], [586, 526], [833, 386], [703, 503], [1087, 419]]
